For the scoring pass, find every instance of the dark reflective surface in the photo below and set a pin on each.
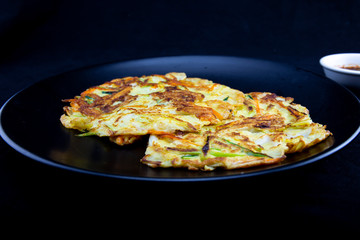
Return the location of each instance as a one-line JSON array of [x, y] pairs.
[[30, 120]]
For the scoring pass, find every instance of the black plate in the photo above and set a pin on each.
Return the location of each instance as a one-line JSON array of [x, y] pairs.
[[30, 119]]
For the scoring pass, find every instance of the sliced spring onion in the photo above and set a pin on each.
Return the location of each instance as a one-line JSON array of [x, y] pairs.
[[89, 99], [249, 96], [246, 150], [223, 154], [190, 155], [107, 92], [86, 134]]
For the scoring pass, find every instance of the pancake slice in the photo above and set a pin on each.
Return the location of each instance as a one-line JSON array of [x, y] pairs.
[[155, 104], [263, 131], [210, 150]]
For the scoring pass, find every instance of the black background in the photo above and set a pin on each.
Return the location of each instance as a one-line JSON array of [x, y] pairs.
[[40, 39]]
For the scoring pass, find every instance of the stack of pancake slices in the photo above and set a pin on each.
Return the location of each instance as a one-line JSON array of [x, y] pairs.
[[193, 122]]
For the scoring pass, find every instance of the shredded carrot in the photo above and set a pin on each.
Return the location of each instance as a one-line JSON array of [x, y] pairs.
[[158, 132], [172, 136], [213, 87], [87, 91], [174, 82], [217, 114], [139, 106], [257, 105], [119, 140]]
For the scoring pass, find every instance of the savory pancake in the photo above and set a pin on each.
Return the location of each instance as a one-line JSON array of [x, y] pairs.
[[264, 129], [126, 108]]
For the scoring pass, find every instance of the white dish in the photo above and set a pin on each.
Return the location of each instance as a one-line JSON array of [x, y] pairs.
[[336, 68]]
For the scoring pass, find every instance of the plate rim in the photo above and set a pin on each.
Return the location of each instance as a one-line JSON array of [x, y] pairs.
[[48, 162]]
